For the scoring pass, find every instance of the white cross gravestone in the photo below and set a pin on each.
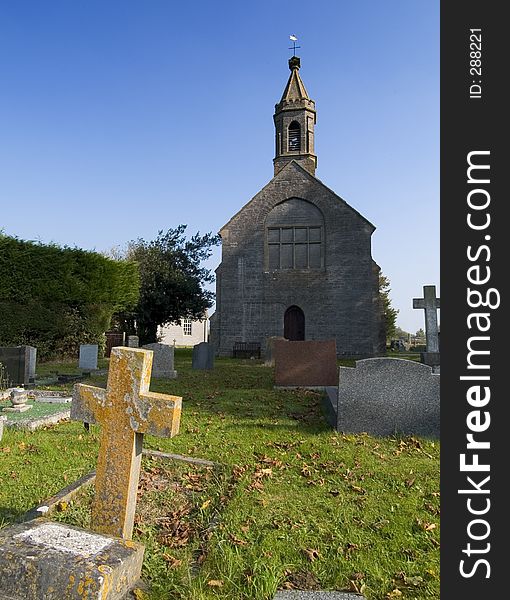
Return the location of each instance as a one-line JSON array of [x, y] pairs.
[[430, 304]]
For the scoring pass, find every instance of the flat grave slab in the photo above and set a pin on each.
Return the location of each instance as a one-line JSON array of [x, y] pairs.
[[41, 413], [316, 595], [41, 559]]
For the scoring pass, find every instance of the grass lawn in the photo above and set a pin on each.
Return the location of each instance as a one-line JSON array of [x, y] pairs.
[[292, 504]]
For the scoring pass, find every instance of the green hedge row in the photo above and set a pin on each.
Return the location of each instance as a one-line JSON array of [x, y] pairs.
[[57, 298]]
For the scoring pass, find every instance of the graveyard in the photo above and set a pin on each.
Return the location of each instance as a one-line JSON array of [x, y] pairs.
[[254, 495]]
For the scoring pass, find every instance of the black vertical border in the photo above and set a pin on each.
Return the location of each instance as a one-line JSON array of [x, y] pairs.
[[467, 125]]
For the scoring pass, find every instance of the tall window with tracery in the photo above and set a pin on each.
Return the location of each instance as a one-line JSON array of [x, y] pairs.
[[294, 247]]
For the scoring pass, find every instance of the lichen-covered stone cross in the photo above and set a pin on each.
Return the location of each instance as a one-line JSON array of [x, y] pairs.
[[126, 410]]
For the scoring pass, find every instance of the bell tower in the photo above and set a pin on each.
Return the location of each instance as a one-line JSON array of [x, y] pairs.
[[294, 120]]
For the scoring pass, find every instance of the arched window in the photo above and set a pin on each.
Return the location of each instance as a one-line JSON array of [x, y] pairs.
[[294, 236], [294, 137]]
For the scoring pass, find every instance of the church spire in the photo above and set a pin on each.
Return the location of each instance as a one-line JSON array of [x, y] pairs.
[[294, 120]]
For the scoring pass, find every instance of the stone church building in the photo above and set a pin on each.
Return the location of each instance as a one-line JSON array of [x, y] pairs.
[[296, 259]]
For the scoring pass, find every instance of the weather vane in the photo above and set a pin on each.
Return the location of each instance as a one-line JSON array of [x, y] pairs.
[[293, 39]]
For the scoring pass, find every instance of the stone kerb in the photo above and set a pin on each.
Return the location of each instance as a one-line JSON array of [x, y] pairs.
[[316, 595], [384, 396]]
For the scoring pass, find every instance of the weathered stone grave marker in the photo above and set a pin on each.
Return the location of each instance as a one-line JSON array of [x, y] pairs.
[[430, 303], [126, 410], [133, 341], [163, 363]]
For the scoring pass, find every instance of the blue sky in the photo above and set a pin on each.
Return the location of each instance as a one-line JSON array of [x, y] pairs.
[[120, 118]]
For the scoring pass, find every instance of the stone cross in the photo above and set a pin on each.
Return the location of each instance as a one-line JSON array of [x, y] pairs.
[[126, 410], [430, 304]]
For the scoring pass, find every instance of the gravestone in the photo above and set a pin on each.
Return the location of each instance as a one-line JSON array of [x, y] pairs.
[[430, 303], [384, 396], [126, 410], [19, 363], [133, 341], [2, 420], [163, 364], [40, 559], [305, 364], [269, 353], [203, 356], [88, 357]]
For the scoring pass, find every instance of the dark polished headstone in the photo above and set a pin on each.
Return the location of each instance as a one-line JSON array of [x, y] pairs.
[[19, 363], [203, 356]]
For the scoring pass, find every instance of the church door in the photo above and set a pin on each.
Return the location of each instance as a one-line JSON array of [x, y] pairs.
[[294, 324]]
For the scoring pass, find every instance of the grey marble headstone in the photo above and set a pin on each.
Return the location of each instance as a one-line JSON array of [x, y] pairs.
[[88, 357], [19, 362], [383, 396], [316, 595], [162, 361], [203, 356], [133, 341]]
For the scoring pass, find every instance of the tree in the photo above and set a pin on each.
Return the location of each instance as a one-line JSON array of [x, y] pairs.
[[389, 313], [171, 280], [56, 298]]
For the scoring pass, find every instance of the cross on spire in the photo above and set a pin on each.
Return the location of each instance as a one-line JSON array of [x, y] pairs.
[[430, 303], [293, 39]]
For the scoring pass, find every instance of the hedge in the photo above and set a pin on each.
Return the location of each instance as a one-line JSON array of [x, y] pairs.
[[56, 298]]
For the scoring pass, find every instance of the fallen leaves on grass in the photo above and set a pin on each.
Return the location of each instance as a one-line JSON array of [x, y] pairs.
[[236, 541], [173, 562], [311, 554], [215, 583], [425, 525], [301, 580]]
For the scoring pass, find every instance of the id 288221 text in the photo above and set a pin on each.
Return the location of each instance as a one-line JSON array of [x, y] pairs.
[[475, 64]]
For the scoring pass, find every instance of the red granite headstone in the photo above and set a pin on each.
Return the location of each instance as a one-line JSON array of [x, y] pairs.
[[305, 364]]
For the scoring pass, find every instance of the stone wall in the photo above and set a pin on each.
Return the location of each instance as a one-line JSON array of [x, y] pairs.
[[338, 299]]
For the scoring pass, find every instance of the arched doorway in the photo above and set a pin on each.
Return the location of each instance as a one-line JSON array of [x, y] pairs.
[[294, 324]]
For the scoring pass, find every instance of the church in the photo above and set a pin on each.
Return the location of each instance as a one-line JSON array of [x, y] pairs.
[[296, 259]]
